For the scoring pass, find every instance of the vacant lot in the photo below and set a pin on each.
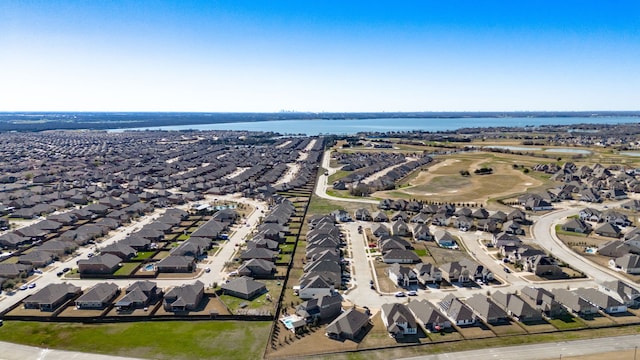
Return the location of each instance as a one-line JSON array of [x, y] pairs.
[[151, 340]]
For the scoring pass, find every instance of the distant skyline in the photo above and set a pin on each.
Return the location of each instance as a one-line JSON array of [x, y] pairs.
[[332, 56]]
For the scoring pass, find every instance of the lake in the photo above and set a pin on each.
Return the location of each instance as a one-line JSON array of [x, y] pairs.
[[342, 127]]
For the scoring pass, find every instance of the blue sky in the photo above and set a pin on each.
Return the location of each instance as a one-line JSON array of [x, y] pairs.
[[319, 55]]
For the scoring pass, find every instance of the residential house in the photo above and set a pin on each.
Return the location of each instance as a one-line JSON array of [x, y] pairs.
[[609, 230], [257, 268], [427, 273], [52, 296], [176, 264], [36, 258], [576, 225], [402, 276], [463, 223], [138, 295], [517, 307], [124, 252], [422, 232], [380, 216], [379, 230], [101, 264], [244, 287], [341, 215], [504, 239], [573, 302], [363, 214], [428, 316], [488, 225], [320, 309], [58, 248], [457, 311], [398, 320], [314, 287], [589, 195], [259, 253], [615, 248], [400, 228], [486, 309], [420, 218], [603, 301], [12, 240], [185, 297], [629, 263], [543, 265], [12, 271], [543, 300], [98, 297], [400, 256], [351, 324], [464, 271], [589, 214], [622, 291], [445, 239]]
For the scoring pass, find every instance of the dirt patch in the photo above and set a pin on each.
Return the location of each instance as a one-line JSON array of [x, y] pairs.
[[475, 332], [442, 256]]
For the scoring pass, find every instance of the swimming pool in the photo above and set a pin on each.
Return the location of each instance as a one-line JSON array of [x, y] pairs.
[[150, 267], [289, 320]]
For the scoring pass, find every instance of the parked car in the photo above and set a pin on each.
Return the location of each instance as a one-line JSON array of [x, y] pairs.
[[412, 293], [32, 285], [60, 273], [207, 269], [66, 270], [400, 294], [507, 270], [37, 271], [23, 287]]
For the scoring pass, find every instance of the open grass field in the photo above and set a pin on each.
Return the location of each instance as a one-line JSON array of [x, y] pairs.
[[443, 181], [151, 340]]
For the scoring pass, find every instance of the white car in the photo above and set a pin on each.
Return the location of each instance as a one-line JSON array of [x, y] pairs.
[[400, 294], [412, 293]]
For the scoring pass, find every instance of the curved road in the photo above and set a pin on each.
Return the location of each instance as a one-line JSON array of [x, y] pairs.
[[323, 183], [543, 232]]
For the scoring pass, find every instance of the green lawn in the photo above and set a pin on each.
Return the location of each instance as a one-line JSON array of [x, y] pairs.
[[152, 340], [421, 252], [322, 206], [337, 175], [142, 255], [567, 322], [126, 269], [284, 258], [286, 248]]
